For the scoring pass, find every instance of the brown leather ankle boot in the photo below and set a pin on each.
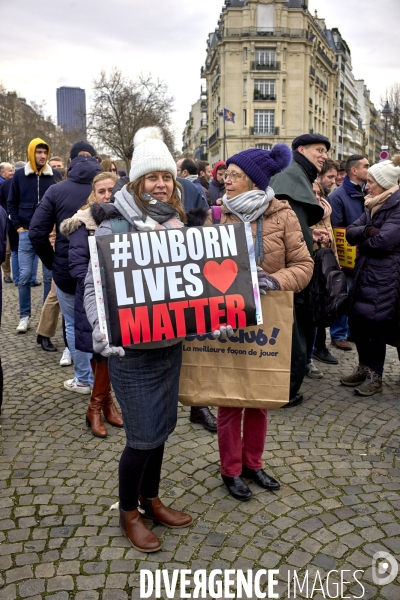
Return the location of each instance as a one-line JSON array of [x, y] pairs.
[[93, 414], [103, 390], [135, 530], [157, 511]]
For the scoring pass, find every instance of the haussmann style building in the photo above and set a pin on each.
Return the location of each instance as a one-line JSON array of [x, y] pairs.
[[282, 73]]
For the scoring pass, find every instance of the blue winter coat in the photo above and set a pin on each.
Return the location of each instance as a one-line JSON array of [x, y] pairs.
[[26, 192], [347, 203], [78, 229], [216, 190], [59, 203], [191, 196], [376, 287]]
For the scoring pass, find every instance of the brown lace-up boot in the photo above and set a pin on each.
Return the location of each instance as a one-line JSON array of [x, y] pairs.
[[137, 532], [154, 509]]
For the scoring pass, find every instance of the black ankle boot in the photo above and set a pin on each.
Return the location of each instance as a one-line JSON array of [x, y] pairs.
[[260, 477], [237, 487], [46, 344], [202, 415]]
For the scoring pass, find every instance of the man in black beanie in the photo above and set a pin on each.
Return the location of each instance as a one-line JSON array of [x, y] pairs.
[[82, 149], [294, 184]]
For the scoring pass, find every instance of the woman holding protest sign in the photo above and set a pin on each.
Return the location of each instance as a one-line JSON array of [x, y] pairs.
[[284, 263], [78, 229], [145, 376]]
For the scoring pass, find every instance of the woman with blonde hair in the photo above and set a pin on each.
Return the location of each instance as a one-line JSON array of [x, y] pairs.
[[144, 376], [78, 228]]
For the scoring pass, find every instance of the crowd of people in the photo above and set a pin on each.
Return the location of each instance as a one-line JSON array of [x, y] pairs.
[[292, 199]]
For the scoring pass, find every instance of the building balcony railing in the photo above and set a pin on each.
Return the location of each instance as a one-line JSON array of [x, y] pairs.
[[325, 57], [321, 84], [258, 96], [203, 105], [264, 131], [271, 66], [213, 138], [203, 122], [274, 32]]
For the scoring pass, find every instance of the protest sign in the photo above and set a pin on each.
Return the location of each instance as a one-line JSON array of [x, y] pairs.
[[171, 283], [250, 369], [347, 254]]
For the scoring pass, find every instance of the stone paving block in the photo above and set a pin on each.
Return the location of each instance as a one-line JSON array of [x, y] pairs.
[[31, 587], [19, 573], [9, 592], [114, 595], [44, 570], [64, 582]]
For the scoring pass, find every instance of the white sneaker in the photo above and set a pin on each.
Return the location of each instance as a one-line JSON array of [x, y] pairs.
[[313, 372], [24, 325], [74, 385], [66, 358]]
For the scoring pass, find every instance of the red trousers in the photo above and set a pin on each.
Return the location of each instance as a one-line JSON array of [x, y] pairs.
[[237, 449]]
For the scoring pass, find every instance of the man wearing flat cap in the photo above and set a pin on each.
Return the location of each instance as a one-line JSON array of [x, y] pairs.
[[294, 184]]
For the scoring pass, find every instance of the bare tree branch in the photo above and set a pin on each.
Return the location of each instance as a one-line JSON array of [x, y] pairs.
[[121, 106], [392, 96]]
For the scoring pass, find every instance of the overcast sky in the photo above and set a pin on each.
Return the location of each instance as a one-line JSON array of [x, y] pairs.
[[45, 45]]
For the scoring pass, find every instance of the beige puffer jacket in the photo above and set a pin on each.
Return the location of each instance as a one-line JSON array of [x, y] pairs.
[[285, 252]]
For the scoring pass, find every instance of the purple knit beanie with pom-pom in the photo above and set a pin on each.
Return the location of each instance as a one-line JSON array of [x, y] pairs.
[[261, 165]]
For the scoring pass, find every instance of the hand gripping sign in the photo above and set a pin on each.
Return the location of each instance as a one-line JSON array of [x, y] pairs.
[[172, 283]]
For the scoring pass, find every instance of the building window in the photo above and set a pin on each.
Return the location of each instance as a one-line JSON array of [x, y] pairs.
[[264, 121], [244, 87], [264, 146], [265, 56], [284, 55], [283, 87], [244, 54], [244, 117], [283, 118], [264, 89]]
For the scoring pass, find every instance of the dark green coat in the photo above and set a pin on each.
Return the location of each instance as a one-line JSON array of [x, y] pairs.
[[293, 185]]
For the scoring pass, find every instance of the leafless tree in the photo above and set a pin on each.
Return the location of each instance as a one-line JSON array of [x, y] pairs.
[[392, 96], [21, 122], [121, 106]]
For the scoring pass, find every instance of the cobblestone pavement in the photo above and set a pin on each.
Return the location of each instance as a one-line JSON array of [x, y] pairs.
[[336, 456]]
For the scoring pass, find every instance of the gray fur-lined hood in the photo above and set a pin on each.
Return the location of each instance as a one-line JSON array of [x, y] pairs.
[[82, 217]]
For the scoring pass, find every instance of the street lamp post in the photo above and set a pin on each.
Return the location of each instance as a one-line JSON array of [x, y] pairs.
[[386, 112]]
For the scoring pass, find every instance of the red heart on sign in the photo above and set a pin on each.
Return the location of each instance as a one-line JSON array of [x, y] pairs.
[[221, 276]]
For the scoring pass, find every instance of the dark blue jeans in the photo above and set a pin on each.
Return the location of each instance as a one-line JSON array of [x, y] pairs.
[[146, 385]]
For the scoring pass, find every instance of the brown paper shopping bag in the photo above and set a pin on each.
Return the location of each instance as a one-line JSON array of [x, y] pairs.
[[251, 369]]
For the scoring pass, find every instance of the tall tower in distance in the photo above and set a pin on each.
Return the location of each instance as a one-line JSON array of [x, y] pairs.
[[71, 110]]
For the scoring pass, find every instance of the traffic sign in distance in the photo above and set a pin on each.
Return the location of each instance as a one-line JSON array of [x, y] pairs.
[[384, 155]]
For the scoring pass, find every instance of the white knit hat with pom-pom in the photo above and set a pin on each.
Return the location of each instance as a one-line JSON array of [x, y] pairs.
[[150, 154], [386, 172]]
